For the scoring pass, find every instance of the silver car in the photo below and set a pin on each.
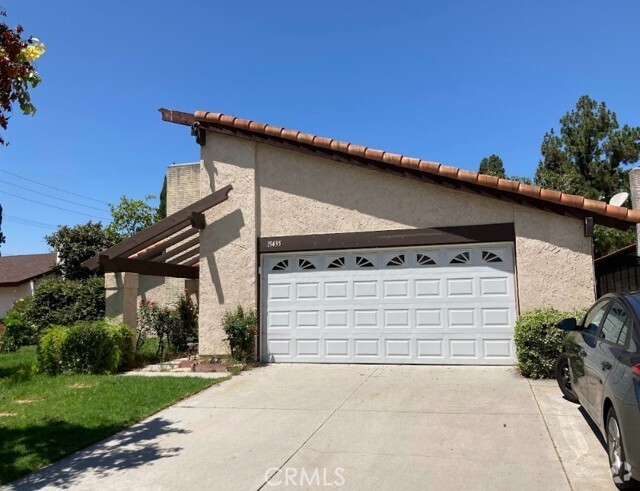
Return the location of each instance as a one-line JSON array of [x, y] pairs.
[[600, 369]]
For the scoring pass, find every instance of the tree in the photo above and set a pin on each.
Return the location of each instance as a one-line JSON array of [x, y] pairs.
[[17, 71], [492, 166], [588, 156], [2, 237], [162, 207], [131, 215], [77, 244], [607, 240]]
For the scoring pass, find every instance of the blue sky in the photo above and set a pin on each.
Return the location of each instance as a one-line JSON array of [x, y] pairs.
[[445, 81]]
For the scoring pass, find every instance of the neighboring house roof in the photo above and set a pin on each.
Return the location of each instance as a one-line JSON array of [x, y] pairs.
[[490, 186], [15, 270], [629, 250]]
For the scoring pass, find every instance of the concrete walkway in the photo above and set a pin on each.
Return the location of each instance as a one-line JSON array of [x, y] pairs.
[[350, 427]]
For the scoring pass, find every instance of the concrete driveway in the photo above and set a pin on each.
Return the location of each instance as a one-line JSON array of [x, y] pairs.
[[350, 427]]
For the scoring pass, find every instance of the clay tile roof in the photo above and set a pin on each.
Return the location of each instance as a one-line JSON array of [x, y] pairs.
[[555, 201], [18, 269]]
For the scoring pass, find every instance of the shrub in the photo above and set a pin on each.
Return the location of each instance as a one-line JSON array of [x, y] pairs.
[[158, 321], [86, 347], [50, 350], [19, 330], [185, 330], [539, 342], [240, 327], [64, 302]]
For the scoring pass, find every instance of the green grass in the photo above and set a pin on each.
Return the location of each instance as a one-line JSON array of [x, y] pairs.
[[44, 418]]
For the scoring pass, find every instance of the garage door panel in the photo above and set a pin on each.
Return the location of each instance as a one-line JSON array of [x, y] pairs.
[[429, 318], [398, 348], [307, 291], [430, 349], [367, 348], [496, 317], [336, 290], [308, 347], [498, 349], [279, 320], [365, 318], [460, 287], [428, 288], [463, 348], [417, 305], [494, 286], [308, 319], [464, 317]]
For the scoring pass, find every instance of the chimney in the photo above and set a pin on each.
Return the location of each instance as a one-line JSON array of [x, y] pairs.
[[634, 185]]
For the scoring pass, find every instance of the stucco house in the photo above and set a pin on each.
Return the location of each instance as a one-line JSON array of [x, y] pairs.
[[357, 255], [19, 276]]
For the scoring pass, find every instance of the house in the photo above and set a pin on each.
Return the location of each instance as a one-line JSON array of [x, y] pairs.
[[357, 255], [19, 276], [618, 271]]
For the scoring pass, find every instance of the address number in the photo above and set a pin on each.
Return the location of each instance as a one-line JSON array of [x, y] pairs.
[[274, 243]]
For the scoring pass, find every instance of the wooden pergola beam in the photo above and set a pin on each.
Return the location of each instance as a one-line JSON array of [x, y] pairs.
[[149, 268], [160, 248], [162, 229], [177, 250], [187, 255]]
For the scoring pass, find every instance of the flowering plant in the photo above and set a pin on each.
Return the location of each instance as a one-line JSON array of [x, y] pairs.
[[155, 320], [17, 72]]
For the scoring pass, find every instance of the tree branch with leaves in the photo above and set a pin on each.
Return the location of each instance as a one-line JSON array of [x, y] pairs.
[[18, 74]]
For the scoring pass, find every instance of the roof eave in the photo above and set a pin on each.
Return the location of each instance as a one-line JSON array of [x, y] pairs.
[[415, 168]]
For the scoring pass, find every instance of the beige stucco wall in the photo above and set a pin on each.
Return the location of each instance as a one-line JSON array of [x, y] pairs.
[[11, 294], [123, 297], [228, 243], [183, 189], [282, 192]]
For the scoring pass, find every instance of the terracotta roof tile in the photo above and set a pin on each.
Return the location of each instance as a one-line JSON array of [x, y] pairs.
[[617, 215], [489, 181], [467, 175]]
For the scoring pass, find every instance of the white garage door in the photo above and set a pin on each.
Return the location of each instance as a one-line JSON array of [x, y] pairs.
[[440, 305]]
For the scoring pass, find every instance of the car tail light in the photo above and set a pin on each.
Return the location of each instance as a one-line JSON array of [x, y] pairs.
[[636, 369]]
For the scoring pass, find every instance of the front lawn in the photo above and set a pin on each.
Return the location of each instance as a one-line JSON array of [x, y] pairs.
[[44, 418]]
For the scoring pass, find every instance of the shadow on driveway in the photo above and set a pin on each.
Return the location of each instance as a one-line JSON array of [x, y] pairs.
[[131, 448]]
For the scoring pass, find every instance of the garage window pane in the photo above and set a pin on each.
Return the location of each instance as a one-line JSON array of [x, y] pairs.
[[281, 266], [491, 257], [462, 258], [305, 264], [337, 263], [425, 260], [363, 262], [396, 261]]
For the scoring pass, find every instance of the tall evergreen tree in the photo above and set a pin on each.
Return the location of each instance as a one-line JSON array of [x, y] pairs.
[[589, 158], [589, 155], [162, 207], [492, 166]]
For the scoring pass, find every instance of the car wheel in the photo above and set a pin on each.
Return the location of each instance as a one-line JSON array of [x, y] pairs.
[[564, 378], [620, 468]]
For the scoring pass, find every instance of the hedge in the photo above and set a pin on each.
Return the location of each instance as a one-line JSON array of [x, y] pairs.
[[19, 330], [63, 302], [86, 347], [539, 342]]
